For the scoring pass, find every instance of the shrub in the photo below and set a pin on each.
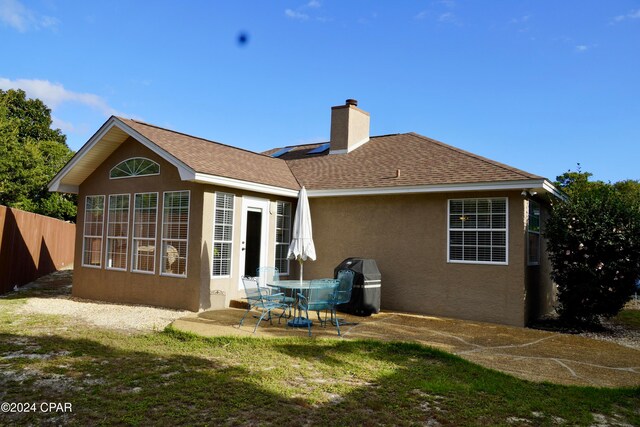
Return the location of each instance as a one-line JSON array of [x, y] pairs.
[[594, 249]]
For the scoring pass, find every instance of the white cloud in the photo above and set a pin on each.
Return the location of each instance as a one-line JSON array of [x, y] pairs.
[[296, 15], [65, 126], [520, 20], [16, 15], [581, 48], [634, 14], [54, 95], [447, 17], [306, 11], [441, 11], [49, 22]]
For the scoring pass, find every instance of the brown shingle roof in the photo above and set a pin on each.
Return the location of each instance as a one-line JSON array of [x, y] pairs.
[[421, 161], [213, 158]]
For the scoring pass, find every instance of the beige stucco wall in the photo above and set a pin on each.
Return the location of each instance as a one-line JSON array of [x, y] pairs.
[[199, 290], [224, 289], [407, 236]]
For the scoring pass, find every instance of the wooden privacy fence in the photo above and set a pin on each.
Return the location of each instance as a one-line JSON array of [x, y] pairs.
[[31, 246]]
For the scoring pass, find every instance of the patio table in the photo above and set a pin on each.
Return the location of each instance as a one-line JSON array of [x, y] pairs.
[[297, 286]]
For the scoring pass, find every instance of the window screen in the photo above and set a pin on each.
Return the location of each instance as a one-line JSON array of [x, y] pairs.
[[175, 229], [145, 213], [283, 236], [118, 231], [222, 234], [478, 230], [93, 230]]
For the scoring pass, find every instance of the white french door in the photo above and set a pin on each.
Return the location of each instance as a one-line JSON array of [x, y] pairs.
[[254, 236]]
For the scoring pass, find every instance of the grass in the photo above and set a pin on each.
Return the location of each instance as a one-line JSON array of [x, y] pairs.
[[171, 377], [629, 318]]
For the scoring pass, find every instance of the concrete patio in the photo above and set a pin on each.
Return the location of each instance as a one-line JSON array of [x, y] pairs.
[[525, 353]]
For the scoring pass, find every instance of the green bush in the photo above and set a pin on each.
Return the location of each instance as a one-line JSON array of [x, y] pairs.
[[594, 248]]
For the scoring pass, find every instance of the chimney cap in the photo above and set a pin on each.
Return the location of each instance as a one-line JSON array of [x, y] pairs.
[[350, 101]]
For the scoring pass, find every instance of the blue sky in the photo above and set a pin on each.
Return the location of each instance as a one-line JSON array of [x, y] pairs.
[[539, 85]]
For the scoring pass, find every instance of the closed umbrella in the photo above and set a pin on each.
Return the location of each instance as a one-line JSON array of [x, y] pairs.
[[301, 247]]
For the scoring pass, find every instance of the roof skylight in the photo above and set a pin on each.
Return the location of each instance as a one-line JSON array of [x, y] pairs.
[[282, 151], [324, 147]]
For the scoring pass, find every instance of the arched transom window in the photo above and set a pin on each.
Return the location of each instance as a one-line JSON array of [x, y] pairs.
[[136, 166]]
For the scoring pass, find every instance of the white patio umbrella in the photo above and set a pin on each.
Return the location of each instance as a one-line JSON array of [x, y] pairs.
[[301, 247]]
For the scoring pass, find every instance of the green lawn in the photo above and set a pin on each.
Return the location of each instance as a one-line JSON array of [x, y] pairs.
[[629, 319], [169, 378]]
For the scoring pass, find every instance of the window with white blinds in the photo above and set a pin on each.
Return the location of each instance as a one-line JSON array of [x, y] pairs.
[[222, 234], [145, 214], [175, 233], [93, 230], [283, 236], [478, 231], [118, 231]]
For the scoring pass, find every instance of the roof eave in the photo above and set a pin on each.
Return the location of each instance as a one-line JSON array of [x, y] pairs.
[[58, 184], [530, 184], [551, 189], [243, 185]]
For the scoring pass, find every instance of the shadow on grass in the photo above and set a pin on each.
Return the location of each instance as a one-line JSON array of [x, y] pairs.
[[55, 285], [174, 378]]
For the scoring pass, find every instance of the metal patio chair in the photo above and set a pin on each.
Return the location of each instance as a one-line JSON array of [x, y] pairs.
[[260, 301], [318, 298], [342, 295], [267, 278]]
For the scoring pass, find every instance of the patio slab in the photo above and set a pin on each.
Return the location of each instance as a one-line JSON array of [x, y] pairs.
[[525, 353]]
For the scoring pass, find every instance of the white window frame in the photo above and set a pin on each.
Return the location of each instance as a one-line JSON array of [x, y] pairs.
[[529, 231], [288, 270], [163, 239], [506, 231], [134, 176], [125, 238], [86, 236], [134, 238], [213, 239]]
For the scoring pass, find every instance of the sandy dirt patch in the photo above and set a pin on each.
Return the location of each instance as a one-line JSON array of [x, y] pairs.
[[113, 316]]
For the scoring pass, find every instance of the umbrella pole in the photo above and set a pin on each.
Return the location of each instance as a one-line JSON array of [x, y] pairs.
[[301, 269]]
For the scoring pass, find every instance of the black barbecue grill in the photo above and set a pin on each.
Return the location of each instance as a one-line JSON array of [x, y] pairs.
[[365, 296]]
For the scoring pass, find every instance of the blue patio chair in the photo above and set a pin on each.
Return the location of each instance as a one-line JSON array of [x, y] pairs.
[[318, 297], [342, 295], [260, 301], [267, 278]]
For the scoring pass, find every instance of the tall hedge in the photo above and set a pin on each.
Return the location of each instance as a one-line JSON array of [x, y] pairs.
[[594, 248]]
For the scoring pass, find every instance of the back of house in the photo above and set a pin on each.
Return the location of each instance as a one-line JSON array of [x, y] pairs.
[[174, 220]]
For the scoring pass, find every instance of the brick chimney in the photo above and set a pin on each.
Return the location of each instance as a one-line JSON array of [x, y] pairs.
[[349, 127]]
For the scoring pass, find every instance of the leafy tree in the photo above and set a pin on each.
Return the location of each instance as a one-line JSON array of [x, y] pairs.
[[594, 246], [31, 153], [629, 188], [571, 180]]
